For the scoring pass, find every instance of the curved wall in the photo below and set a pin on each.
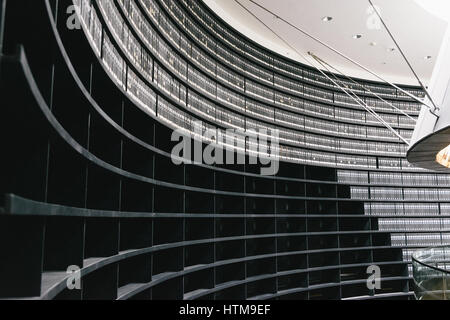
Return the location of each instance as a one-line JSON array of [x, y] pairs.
[[105, 195]]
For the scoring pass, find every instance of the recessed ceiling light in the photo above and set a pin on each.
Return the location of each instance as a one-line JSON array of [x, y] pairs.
[[326, 19], [357, 36], [428, 57], [373, 44]]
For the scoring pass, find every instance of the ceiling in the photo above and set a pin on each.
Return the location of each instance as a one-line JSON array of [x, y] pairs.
[[418, 31]]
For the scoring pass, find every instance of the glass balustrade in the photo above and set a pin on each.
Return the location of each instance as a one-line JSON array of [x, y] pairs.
[[431, 273]]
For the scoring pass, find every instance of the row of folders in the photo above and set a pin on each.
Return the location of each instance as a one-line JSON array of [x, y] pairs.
[[180, 118], [246, 49], [214, 113], [393, 178], [408, 194], [407, 209]]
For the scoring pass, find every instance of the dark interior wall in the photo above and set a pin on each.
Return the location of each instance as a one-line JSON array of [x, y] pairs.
[[138, 224]]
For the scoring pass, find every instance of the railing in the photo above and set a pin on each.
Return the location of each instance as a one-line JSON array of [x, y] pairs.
[[431, 273]]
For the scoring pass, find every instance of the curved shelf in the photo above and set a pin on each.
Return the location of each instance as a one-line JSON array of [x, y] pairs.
[[144, 229], [383, 296], [322, 286], [286, 143], [55, 282], [89, 156], [269, 68], [215, 101], [257, 48], [15, 205], [244, 75]]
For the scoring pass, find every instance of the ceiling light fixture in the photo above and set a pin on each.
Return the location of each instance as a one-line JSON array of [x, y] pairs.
[[326, 19], [373, 44], [443, 157], [428, 57], [357, 36]]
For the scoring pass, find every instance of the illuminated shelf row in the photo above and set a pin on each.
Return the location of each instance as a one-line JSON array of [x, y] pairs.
[[244, 52], [178, 66], [264, 93], [227, 119], [393, 178]]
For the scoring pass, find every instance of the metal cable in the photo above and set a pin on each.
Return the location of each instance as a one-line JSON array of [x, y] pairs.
[[368, 90], [360, 102], [421, 101], [404, 56]]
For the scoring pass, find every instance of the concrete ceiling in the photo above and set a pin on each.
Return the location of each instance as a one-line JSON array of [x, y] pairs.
[[418, 31]]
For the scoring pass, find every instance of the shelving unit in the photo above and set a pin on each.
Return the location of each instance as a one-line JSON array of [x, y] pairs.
[[88, 178]]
